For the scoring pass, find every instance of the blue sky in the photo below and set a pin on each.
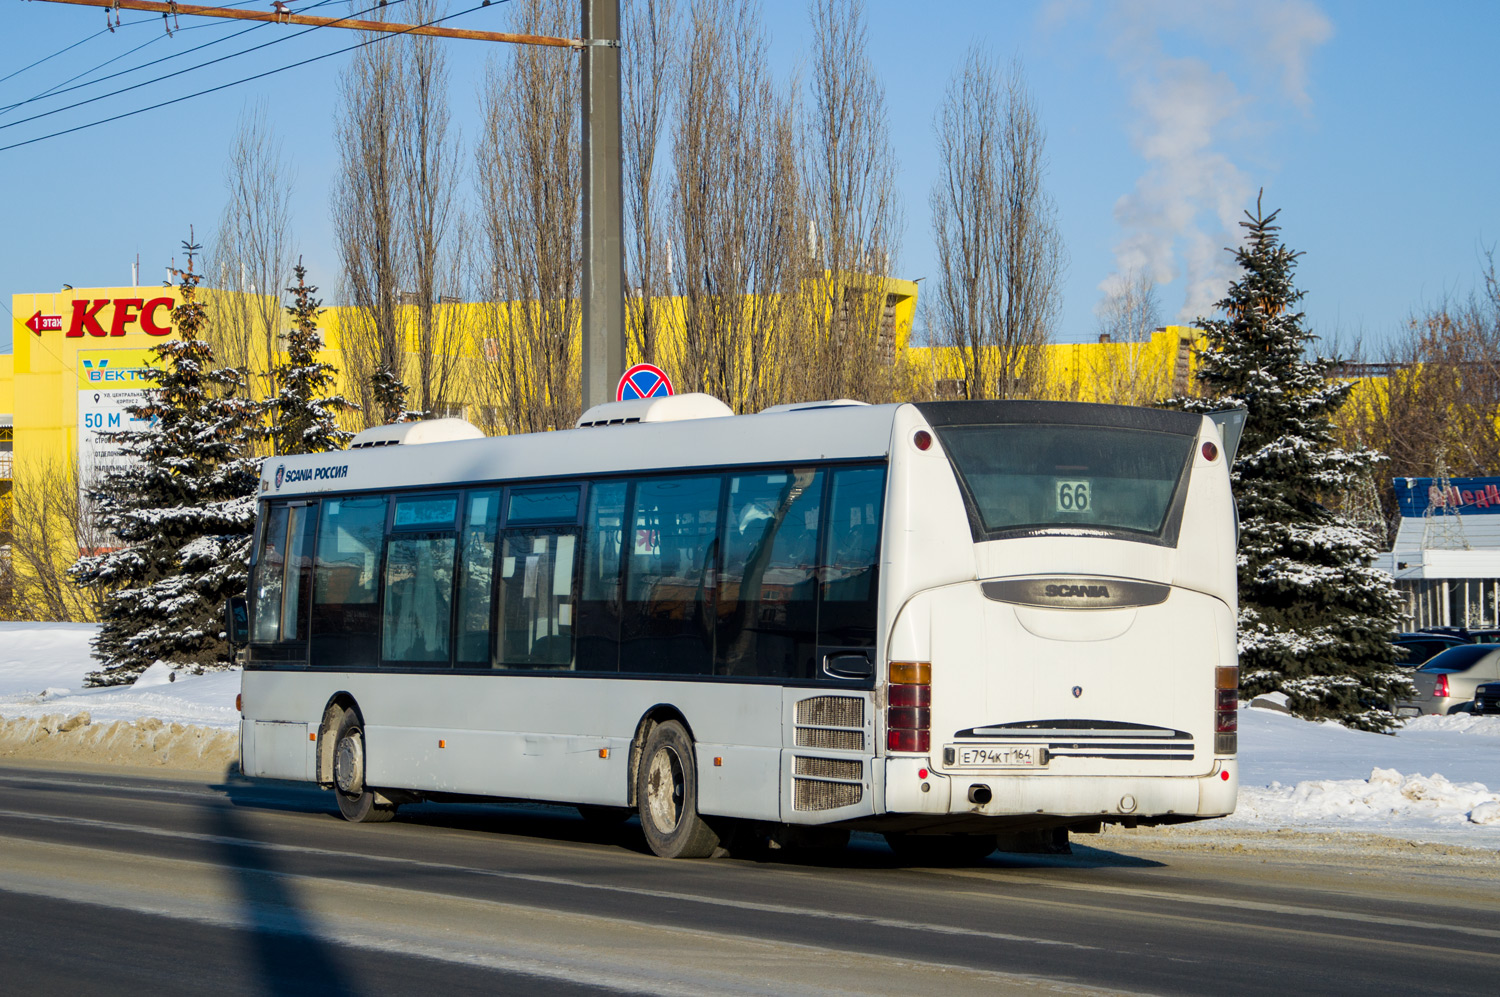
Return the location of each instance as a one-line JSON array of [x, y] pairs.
[[1373, 126]]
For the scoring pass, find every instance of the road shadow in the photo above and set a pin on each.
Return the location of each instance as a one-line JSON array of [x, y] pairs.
[[561, 823], [287, 950]]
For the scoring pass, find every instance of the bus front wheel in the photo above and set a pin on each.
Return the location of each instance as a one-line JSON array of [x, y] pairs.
[[357, 802], [667, 795]]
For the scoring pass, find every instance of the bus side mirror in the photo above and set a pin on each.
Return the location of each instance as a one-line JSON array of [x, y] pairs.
[[237, 621]]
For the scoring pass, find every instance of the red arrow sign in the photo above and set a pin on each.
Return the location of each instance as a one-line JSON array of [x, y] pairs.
[[40, 323]]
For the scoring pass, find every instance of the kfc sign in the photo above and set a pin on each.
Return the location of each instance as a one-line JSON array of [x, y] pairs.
[[153, 316]]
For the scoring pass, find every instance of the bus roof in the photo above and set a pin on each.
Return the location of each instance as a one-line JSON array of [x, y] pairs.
[[817, 431], [811, 434]]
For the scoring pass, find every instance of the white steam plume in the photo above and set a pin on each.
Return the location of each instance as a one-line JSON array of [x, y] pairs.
[[1185, 208]]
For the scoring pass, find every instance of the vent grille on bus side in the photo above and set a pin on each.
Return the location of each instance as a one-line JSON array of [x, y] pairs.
[[810, 794], [829, 768], [831, 711], [836, 722], [839, 740]]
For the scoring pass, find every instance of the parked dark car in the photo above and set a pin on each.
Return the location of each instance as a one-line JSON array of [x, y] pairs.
[[1487, 698], [1418, 647], [1446, 683]]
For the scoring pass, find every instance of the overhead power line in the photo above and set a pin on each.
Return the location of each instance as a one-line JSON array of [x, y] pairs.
[[189, 69], [62, 88], [248, 79], [54, 55]]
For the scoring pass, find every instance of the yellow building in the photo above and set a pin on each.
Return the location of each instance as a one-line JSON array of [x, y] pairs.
[[77, 358]]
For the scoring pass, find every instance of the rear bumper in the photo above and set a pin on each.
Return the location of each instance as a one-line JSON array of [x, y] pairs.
[[1116, 797], [1430, 707]]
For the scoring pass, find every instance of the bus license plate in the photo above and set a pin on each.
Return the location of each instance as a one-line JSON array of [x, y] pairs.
[[1023, 756]]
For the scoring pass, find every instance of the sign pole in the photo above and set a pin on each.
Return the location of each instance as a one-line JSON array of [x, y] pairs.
[[603, 221]]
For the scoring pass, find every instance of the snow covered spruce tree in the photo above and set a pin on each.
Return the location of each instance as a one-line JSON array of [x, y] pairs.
[[1315, 617], [181, 506], [304, 416]]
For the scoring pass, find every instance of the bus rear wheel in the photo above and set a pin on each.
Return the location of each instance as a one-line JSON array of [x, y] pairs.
[[666, 794], [941, 849], [357, 802]]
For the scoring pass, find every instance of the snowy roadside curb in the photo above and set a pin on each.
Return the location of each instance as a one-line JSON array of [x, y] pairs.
[[147, 742]]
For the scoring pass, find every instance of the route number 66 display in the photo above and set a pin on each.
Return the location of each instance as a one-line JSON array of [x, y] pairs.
[[1072, 496]]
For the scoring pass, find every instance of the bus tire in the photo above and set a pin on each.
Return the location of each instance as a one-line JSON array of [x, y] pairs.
[[357, 802], [941, 849], [667, 796]]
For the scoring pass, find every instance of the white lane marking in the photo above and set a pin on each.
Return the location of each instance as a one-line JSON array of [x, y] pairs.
[[1236, 904], [882, 922]]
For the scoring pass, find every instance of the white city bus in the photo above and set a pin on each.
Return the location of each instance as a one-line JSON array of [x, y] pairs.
[[941, 621]]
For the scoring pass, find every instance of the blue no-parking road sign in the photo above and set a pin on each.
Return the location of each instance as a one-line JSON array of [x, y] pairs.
[[644, 380]]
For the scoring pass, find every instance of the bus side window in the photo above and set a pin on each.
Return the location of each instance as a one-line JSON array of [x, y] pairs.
[[417, 617], [346, 583], [597, 630], [418, 599], [851, 558], [767, 612], [270, 578], [667, 624], [535, 609], [476, 572], [302, 524]]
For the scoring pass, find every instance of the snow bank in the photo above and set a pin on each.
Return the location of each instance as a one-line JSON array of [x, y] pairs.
[[1430, 781], [42, 667], [166, 718], [146, 742], [1386, 797]]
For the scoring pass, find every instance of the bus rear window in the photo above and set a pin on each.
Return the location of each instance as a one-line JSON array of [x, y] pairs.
[[1029, 478]]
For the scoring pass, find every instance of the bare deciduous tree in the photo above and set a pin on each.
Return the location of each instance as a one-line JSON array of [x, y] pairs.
[[1126, 371], [370, 222], [1439, 397], [734, 211], [252, 254], [649, 68], [529, 178], [854, 221], [1000, 256], [58, 526], [430, 170]]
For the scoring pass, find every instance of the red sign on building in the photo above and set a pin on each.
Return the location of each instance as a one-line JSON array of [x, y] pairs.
[[40, 323]]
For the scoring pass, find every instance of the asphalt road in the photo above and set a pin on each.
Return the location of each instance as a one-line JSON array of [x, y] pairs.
[[127, 884]]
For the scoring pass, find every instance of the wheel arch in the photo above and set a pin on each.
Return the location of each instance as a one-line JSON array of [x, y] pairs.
[[338, 704], [658, 714]]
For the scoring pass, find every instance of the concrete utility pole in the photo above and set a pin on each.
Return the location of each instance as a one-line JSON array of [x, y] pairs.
[[603, 221]]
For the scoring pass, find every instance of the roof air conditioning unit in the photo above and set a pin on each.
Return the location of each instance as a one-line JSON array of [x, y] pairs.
[[426, 431], [671, 408]]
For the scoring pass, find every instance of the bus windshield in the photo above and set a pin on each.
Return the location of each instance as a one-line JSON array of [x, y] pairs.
[[1026, 477]]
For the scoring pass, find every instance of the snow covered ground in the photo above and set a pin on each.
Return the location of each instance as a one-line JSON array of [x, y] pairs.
[[42, 666], [1430, 782]]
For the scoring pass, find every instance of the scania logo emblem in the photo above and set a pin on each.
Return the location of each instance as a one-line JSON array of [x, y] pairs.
[[1077, 591], [280, 473], [1077, 691]]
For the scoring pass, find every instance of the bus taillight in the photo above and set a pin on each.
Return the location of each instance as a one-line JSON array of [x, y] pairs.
[[908, 700], [1226, 709]]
